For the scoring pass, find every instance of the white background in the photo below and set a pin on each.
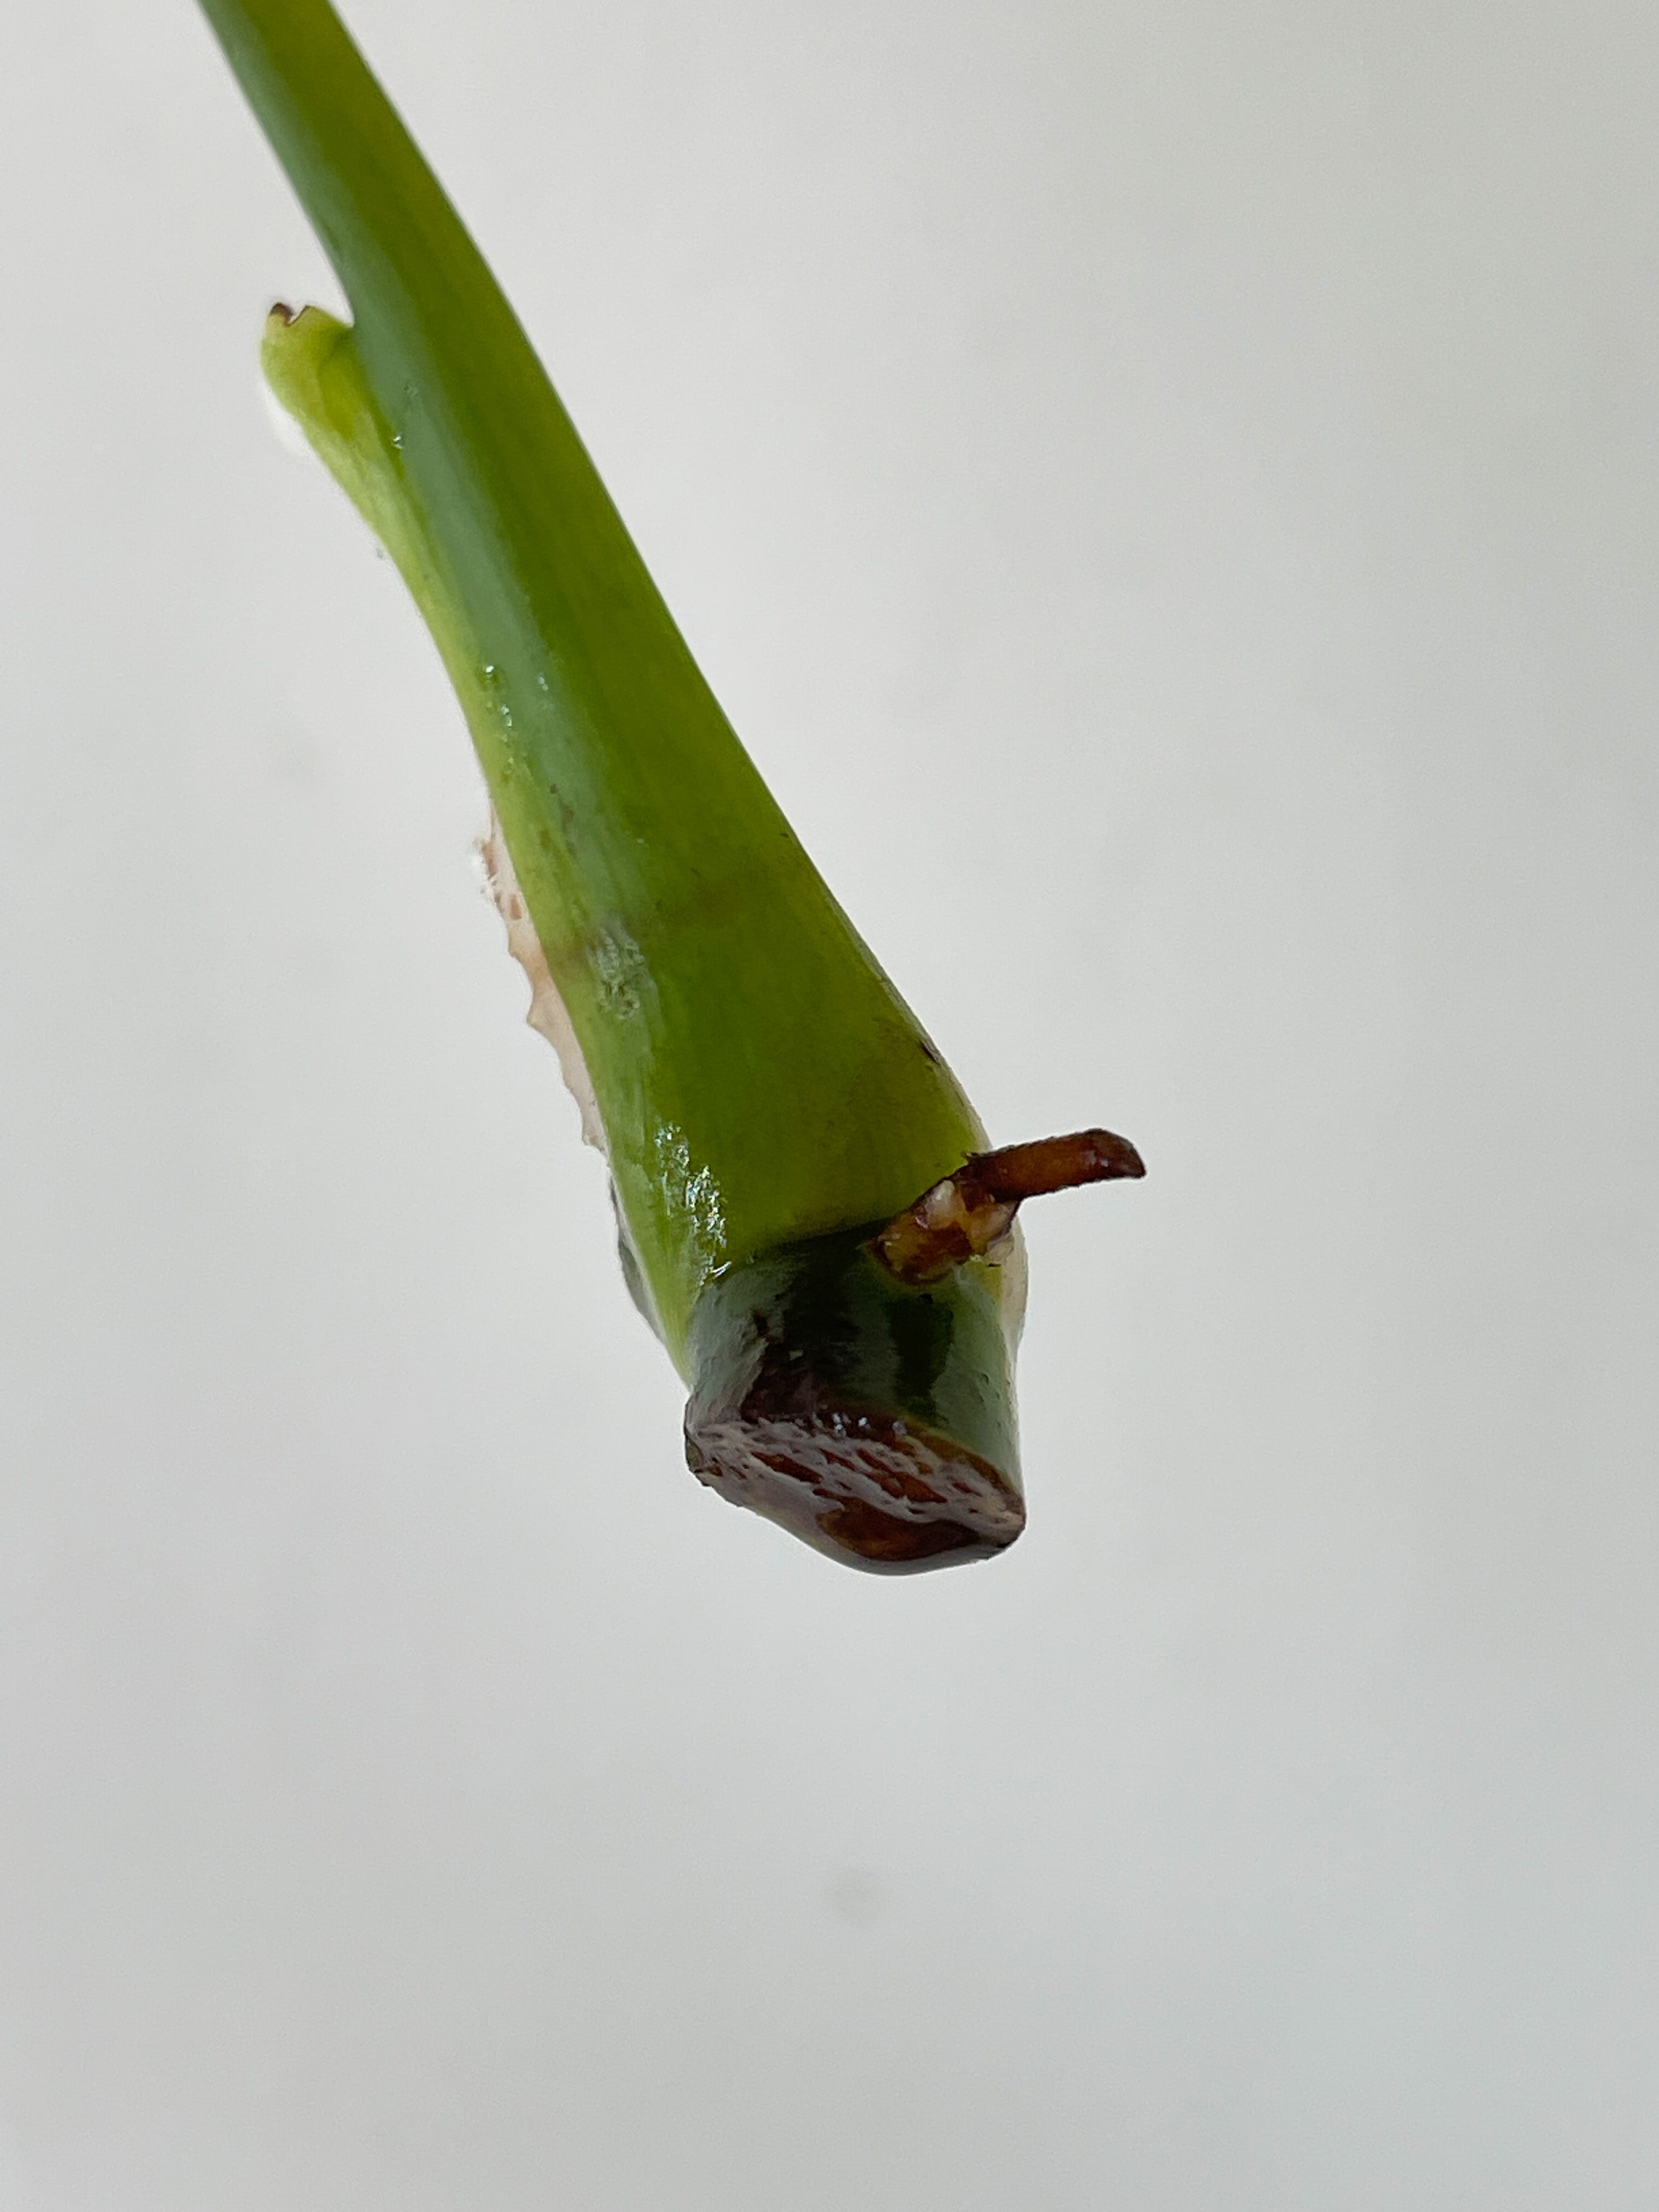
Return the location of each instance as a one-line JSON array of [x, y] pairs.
[[1170, 496]]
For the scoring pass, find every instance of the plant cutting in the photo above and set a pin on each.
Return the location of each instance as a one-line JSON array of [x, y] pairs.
[[809, 1213]]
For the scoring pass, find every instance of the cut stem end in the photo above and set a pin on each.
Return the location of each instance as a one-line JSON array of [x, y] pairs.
[[871, 1418]]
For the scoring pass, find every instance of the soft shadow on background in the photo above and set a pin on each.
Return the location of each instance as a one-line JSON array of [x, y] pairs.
[[1171, 499]]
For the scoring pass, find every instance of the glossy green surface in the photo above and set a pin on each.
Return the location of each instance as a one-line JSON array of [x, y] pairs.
[[759, 1078], [938, 1357], [873, 1419]]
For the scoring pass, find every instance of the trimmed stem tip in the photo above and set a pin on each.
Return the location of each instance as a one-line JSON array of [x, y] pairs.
[[872, 1418], [970, 1214], [858, 1389]]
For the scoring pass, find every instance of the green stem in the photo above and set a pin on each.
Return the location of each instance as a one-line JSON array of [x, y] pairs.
[[766, 1098]]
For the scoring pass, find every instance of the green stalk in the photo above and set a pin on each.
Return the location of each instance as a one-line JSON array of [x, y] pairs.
[[767, 1100]]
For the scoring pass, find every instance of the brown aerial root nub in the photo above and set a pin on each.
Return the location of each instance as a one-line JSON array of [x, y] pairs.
[[970, 1214]]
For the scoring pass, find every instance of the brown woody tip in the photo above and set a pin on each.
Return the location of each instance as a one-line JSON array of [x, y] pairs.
[[972, 1211]]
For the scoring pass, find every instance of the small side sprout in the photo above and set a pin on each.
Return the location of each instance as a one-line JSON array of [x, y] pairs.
[[768, 1106]]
